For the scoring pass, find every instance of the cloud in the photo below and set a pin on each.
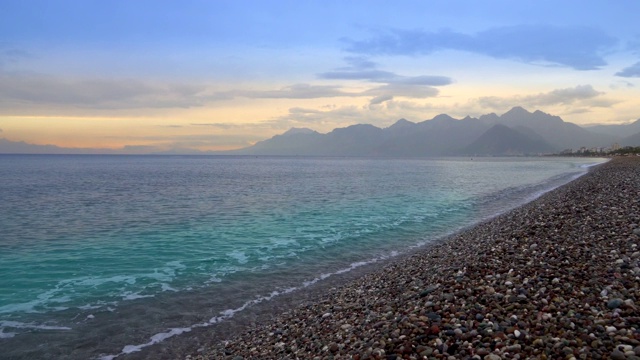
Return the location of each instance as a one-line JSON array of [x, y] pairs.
[[369, 74], [621, 84], [387, 77], [406, 90], [97, 93], [359, 63], [222, 125], [582, 94], [297, 91], [631, 71], [380, 99], [580, 48], [421, 86], [423, 80], [13, 55], [325, 120]]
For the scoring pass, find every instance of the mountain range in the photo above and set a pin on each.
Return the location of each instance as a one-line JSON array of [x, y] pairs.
[[516, 132]]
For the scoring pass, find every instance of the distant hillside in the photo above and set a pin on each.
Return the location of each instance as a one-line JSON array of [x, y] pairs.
[[519, 132], [560, 134], [633, 140], [616, 130], [503, 140], [21, 147]]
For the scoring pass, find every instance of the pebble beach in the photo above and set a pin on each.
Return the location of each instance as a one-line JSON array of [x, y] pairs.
[[558, 278]]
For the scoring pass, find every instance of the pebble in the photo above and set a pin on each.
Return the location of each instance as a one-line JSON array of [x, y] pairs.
[[614, 303]]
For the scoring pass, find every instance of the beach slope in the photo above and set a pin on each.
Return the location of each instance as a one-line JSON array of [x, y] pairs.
[[555, 279]]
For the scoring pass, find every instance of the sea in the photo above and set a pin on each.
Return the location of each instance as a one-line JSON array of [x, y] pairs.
[[104, 256]]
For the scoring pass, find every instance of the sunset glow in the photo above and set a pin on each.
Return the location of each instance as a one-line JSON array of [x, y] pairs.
[[226, 74]]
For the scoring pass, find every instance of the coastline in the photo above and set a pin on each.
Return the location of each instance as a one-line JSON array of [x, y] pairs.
[[555, 277]]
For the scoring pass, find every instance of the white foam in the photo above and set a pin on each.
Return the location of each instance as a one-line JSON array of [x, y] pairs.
[[229, 313], [239, 256], [585, 166], [21, 325], [153, 340], [6, 335], [134, 296], [167, 287]]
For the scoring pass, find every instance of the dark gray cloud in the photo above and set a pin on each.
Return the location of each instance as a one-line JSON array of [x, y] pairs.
[[631, 71], [581, 48], [380, 76]]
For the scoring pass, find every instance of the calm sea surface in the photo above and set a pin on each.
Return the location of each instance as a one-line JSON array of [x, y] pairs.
[[104, 255]]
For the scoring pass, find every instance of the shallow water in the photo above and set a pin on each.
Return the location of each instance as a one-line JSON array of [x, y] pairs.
[[104, 255]]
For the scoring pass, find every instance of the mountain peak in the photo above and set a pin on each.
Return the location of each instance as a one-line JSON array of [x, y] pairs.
[[402, 123], [516, 111], [295, 131], [443, 117]]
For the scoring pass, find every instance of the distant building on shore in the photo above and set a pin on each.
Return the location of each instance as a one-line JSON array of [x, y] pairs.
[[615, 150]]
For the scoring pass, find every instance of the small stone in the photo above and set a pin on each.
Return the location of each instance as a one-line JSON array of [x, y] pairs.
[[614, 303], [624, 348], [617, 355], [427, 351], [514, 348], [428, 291], [610, 329], [492, 357], [538, 342]]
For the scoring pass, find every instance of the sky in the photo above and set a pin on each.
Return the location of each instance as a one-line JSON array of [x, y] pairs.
[[219, 75]]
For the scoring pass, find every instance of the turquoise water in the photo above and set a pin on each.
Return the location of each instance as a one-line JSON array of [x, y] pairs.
[[104, 255]]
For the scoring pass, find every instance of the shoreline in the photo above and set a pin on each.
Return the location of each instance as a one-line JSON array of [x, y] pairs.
[[539, 280]]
